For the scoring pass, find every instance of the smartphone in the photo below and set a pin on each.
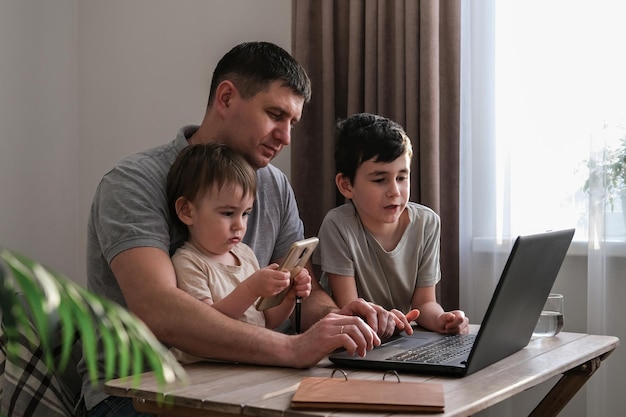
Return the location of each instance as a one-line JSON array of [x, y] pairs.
[[294, 262]]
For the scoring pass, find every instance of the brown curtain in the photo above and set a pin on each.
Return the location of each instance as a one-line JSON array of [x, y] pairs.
[[396, 58]]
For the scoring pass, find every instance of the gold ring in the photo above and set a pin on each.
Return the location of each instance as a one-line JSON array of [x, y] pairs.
[[341, 331]]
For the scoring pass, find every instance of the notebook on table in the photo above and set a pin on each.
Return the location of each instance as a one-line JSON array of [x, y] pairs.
[[515, 307]]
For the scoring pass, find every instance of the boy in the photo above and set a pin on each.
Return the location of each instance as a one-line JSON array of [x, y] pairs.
[[210, 193], [379, 246]]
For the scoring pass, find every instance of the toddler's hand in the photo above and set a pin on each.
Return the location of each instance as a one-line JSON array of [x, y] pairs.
[[268, 281], [302, 284]]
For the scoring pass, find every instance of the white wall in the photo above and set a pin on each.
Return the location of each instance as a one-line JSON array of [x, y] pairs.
[[82, 83], [39, 152]]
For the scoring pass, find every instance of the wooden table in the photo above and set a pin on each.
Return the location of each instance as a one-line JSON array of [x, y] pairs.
[[219, 389]]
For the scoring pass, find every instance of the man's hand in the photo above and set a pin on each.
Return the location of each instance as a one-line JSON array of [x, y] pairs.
[[384, 323], [332, 332]]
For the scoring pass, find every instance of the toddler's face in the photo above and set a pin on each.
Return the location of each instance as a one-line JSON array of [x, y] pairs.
[[219, 219]]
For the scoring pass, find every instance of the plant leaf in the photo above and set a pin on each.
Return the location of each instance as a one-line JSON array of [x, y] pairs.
[[52, 301]]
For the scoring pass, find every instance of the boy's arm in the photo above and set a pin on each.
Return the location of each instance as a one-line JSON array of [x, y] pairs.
[[343, 289], [425, 300], [433, 316]]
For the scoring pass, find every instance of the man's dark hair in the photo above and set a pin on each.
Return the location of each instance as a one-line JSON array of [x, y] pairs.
[[253, 66], [364, 136]]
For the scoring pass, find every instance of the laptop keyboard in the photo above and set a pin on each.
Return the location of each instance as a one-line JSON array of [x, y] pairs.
[[439, 351]]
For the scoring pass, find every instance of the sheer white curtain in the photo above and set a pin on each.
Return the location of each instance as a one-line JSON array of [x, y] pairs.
[[543, 92]]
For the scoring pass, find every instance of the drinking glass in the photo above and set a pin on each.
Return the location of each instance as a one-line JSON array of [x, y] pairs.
[[551, 320]]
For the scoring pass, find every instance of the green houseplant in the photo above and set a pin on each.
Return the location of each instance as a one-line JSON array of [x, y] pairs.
[[44, 311], [608, 174]]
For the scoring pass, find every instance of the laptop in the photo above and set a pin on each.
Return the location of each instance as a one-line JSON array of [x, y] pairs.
[[507, 327]]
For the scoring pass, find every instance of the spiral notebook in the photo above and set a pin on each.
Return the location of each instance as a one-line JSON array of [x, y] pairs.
[[368, 395], [513, 312]]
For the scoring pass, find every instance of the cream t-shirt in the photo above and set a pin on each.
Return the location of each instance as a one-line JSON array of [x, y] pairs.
[[203, 278], [387, 278]]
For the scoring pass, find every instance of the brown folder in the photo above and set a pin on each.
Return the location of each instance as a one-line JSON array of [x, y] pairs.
[[361, 395]]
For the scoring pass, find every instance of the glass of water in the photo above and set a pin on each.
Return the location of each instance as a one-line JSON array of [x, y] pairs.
[[551, 320]]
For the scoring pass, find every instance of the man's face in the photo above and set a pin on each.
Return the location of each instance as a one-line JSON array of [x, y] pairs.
[[259, 127]]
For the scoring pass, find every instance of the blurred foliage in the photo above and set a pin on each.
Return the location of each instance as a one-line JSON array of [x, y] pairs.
[[53, 303]]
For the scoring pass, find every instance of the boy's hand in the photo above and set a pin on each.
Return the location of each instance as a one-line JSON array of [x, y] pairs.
[[403, 321], [412, 315], [453, 322], [388, 323]]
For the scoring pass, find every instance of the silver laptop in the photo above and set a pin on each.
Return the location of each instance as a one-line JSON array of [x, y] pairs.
[[515, 306]]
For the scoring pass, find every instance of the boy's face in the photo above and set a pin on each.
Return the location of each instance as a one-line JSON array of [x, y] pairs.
[[259, 127], [380, 190], [218, 220]]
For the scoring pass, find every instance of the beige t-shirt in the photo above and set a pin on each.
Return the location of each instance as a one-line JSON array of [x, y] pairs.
[[203, 278]]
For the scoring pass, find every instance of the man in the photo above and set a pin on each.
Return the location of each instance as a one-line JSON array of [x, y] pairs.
[[257, 94]]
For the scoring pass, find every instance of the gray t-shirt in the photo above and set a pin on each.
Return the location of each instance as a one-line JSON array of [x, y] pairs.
[[387, 278], [130, 210]]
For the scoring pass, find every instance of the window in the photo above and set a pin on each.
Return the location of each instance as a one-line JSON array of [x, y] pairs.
[[560, 94]]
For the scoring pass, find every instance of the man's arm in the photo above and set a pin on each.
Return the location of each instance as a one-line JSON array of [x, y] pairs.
[[147, 279], [317, 305], [148, 282], [433, 316]]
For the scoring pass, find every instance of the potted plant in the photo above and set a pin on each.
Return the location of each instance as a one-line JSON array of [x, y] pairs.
[[608, 175]]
